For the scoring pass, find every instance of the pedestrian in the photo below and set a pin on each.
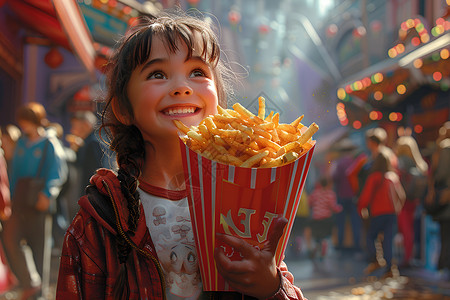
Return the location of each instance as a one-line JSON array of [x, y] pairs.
[[36, 156], [381, 198], [345, 194], [323, 204], [412, 170], [439, 194], [5, 194], [376, 143], [89, 151], [66, 207], [7, 279], [165, 68], [10, 135]]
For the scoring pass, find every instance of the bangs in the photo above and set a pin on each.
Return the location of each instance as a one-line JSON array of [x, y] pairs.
[[198, 41], [134, 50]]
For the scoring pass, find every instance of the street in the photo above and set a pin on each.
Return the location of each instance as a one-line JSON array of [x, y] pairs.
[[340, 276]]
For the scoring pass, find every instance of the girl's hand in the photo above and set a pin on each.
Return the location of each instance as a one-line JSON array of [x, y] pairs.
[[256, 274]]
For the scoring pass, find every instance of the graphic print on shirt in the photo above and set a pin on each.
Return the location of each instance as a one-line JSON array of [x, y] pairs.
[[170, 227]]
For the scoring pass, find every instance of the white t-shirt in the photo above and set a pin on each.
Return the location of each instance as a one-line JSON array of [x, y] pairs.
[[169, 223]]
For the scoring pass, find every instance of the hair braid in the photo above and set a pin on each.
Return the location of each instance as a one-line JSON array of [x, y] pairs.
[[121, 289], [128, 184], [129, 146]]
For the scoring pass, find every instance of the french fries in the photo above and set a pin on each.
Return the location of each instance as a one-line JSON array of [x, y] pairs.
[[240, 138]]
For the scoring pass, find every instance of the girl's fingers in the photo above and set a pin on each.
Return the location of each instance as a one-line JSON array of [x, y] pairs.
[[238, 244], [234, 272], [275, 234], [227, 267]]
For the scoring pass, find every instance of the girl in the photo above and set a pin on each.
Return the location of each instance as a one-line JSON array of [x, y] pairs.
[[132, 238]]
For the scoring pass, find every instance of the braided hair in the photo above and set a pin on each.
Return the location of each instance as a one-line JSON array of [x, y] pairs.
[[132, 51]]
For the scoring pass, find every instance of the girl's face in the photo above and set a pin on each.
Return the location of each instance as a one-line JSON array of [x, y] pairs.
[[169, 86]]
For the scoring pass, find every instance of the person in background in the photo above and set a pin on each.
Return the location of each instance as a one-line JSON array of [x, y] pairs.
[[24, 231], [323, 204], [9, 137], [412, 170], [375, 142], [65, 206], [377, 197], [5, 195], [7, 279], [345, 193], [439, 192], [89, 153]]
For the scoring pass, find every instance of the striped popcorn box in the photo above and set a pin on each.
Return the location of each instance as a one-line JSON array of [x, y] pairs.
[[239, 201]]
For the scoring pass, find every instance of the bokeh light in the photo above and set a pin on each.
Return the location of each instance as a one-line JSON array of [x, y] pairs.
[[437, 76], [393, 116], [341, 93], [357, 124], [418, 63], [401, 89], [425, 38], [415, 41], [378, 95], [377, 78], [373, 115], [392, 53], [418, 128]]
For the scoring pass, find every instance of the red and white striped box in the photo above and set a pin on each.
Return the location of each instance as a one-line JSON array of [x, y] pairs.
[[239, 201]]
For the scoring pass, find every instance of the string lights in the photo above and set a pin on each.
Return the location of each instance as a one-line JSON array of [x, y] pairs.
[[390, 85]]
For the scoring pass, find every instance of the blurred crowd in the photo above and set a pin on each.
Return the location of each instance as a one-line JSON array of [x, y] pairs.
[[373, 200], [43, 173], [381, 192]]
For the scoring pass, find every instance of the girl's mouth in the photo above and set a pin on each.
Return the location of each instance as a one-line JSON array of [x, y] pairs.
[[180, 111]]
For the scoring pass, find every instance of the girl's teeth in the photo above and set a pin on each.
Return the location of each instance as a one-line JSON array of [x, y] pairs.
[[184, 110]]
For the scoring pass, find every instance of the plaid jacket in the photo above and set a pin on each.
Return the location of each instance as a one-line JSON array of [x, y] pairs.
[[89, 262]]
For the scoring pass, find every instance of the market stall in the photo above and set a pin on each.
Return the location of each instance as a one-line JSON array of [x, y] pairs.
[[409, 89]]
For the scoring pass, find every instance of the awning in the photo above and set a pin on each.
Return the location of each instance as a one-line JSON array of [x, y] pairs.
[[61, 22], [397, 71]]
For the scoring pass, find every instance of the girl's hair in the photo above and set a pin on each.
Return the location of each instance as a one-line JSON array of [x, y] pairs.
[[132, 51], [407, 145]]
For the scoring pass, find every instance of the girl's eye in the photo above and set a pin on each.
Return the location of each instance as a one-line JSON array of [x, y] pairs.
[[198, 73], [156, 75]]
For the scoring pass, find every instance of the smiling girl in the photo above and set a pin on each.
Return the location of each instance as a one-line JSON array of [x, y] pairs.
[[132, 238]]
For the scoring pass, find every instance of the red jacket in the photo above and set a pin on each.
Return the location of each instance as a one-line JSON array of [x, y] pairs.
[[376, 193], [89, 263]]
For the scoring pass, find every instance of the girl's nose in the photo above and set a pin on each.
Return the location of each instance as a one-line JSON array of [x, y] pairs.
[[181, 89]]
